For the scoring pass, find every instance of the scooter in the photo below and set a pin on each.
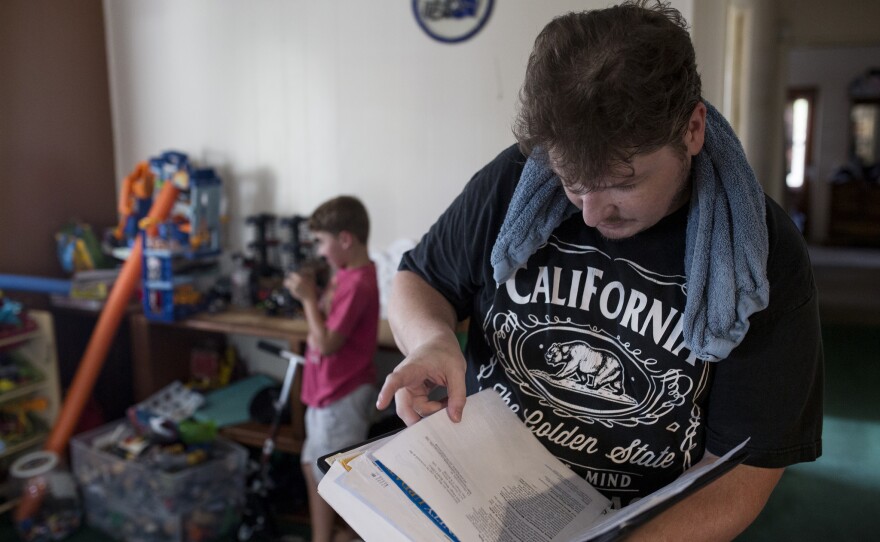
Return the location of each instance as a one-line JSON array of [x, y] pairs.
[[257, 519]]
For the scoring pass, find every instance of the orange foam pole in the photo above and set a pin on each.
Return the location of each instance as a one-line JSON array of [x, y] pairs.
[[108, 323]]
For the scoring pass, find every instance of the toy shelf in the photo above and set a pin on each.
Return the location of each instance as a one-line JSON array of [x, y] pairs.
[[21, 391], [37, 347], [18, 338]]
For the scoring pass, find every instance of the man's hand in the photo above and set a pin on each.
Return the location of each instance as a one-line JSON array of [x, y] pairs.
[[423, 323], [433, 364]]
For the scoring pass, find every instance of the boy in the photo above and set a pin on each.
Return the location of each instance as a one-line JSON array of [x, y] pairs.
[[339, 375]]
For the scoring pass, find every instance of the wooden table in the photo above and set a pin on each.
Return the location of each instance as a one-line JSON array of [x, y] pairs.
[[160, 354]]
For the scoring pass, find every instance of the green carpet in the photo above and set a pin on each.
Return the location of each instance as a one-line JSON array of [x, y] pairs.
[[836, 497]]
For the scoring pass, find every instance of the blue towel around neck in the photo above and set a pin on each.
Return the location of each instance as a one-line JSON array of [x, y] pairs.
[[726, 244]]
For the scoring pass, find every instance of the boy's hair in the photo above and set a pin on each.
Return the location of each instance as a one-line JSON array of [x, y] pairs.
[[605, 85], [343, 213]]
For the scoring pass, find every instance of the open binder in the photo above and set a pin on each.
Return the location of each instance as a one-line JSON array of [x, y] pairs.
[[425, 482]]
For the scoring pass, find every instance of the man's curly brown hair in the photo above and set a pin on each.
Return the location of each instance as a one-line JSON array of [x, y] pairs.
[[605, 85]]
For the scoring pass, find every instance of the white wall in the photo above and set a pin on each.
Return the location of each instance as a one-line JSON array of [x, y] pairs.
[[763, 139], [709, 34], [762, 95], [296, 101]]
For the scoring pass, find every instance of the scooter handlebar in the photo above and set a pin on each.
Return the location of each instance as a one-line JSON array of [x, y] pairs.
[[271, 348]]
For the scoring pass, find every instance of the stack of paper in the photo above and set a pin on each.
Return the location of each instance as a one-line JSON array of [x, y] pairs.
[[485, 478]]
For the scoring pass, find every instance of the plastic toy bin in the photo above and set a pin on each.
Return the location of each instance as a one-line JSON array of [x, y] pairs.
[[137, 502]]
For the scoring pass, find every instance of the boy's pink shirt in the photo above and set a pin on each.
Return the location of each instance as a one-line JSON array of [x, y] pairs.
[[354, 313]]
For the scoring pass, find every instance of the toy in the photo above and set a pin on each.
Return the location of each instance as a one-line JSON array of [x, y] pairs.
[[300, 245], [266, 275], [300, 253], [78, 248], [16, 424], [265, 244], [206, 366], [135, 200], [90, 365], [193, 228], [15, 324], [108, 322], [256, 519], [167, 165], [50, 508], [179, 253], [240, 281], [163, 492], [9, 311], [15, 371], [268, 267], [24, 283], [92, 285]]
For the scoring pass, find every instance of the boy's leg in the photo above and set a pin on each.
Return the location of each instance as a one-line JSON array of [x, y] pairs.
[[320, 513], [340, 424]]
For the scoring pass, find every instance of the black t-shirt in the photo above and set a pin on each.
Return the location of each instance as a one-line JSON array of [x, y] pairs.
[[585, 343]]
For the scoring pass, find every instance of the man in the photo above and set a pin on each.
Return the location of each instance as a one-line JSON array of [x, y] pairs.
[[632, 295]]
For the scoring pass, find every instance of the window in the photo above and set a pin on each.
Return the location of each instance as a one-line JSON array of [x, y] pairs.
[[799, 108], [797, 115]]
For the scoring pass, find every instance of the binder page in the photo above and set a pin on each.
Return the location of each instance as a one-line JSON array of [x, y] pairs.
[[357, 514], [373, 487], [488, 477]]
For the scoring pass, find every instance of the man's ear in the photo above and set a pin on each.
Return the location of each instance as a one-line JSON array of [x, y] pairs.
[[695, 134]]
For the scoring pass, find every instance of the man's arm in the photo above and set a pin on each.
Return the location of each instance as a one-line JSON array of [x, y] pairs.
[[719, 511], [423, 323]]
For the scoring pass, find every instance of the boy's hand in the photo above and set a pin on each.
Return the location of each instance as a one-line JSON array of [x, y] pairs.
[[302, 286]]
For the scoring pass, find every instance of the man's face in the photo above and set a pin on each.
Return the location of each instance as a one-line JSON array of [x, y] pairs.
[[628, 201]]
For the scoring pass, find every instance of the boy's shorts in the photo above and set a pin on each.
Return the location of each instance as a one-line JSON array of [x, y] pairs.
[[340, 424]]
